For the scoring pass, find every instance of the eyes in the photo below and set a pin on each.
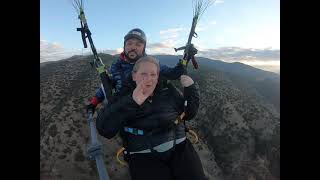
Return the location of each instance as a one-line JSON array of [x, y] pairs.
[[153, 75], [137, 44]]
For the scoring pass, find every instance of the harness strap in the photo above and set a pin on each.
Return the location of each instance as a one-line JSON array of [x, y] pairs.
[[140, 132], [151, 149], [180, 118], [134, 131], [121, 151]]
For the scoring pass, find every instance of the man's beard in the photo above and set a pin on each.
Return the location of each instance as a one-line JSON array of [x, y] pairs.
[[129, 58]]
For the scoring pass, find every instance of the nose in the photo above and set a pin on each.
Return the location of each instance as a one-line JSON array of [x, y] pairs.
[[133, 46], [148, 78]]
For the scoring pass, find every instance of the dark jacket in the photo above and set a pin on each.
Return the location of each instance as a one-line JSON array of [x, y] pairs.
[[157, 112], [120, 72]]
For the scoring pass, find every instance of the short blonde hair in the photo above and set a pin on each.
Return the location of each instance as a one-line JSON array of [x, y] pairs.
[[143, 59]]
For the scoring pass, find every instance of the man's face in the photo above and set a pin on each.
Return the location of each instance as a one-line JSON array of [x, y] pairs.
[[148, 75], [134, 47]]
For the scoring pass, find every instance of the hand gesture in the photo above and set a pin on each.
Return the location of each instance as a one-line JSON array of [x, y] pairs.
[[140, 93]]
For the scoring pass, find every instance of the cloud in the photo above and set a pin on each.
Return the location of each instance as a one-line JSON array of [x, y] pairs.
[[55, 51], [261, 37], [266, 67], [119, 50], [266, 59], [171, 31], [161, 48], [169, 38], [241, 54], [216, 2], [110, 51], [159, 45]]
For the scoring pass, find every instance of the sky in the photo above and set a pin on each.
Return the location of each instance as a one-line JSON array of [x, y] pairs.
[[246, 31]]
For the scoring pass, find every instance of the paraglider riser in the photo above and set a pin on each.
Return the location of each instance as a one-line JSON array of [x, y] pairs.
[[94, 150]]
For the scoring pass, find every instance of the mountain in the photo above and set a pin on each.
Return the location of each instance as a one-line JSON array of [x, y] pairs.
[[267, 84], [236, 67], [238, 121]]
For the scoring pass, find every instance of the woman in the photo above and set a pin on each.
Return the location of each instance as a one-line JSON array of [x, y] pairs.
[[156, 147]]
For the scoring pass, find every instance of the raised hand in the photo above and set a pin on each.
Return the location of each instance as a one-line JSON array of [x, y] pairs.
[[140, 93]]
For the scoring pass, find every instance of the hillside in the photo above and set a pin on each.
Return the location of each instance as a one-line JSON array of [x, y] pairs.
[[238, 120]]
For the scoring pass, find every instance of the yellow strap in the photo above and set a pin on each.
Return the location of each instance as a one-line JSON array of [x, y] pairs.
[[100, 69], [184, 62], [120, 151], [195, 139], [179, 118]]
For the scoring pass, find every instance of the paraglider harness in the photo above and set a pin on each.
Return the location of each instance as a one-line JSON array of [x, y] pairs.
[[94, 150], [148, 133], [139, 132]]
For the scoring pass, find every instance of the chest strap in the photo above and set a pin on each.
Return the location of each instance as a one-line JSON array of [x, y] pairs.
[[134, 131]]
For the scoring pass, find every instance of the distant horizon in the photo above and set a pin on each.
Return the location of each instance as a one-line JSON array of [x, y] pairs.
[[88, 54]]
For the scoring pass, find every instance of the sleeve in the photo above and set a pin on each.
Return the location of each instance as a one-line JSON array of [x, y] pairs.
[[112, 117], [171, 73], [191, 94], [94, 101], [113, 69], [100, 95], [98, 98], [116, 77]]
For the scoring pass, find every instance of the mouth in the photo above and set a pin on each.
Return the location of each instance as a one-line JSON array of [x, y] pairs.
[[133, 54]]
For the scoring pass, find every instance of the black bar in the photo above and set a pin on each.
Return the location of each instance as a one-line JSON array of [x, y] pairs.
[[106, 85]]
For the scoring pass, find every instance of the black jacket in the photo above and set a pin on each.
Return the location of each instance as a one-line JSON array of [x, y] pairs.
[[158, 111]]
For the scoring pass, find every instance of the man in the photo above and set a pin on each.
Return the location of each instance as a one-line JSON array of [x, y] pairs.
[[156, 146], [134, 48]]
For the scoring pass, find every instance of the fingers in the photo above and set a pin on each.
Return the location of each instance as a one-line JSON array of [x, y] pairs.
[[138, 94], [140, 86]]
